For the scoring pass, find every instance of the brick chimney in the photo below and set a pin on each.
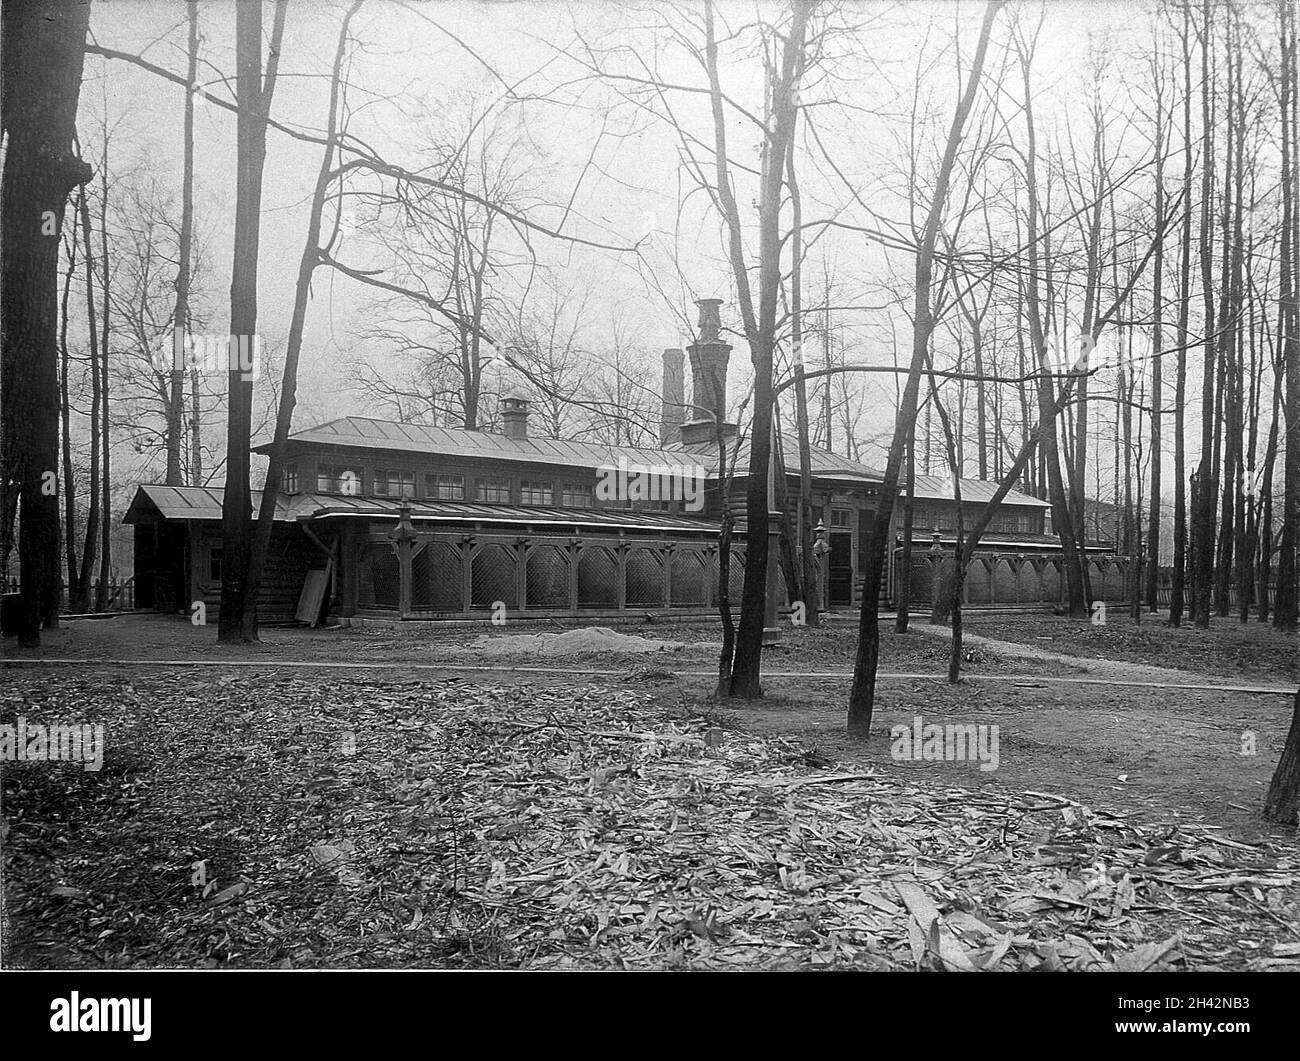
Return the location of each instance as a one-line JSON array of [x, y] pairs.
[[673, 398], [709, 357], [514, 417]]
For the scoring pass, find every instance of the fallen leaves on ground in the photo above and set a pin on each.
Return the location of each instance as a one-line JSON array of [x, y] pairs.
[[263, 820]]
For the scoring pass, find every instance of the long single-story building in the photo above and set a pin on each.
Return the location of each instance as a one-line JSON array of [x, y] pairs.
[[410, 521]]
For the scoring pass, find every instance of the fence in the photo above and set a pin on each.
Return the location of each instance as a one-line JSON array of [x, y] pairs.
[[461, 575], [121, 594], [1008, 578], [1165, 589]]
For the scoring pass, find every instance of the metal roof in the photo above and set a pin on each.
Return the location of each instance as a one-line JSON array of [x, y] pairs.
[[1037, 541], [827, 465], [363, 432], [935, 486], [195, 502], [204, 503], [367, 433], [484, 512]]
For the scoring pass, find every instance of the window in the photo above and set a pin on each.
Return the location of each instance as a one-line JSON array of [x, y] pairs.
[[841, 517], [445, 487], [1013, 524], [214, 563], [492, 490], [536, 492], [392, 482], [336, 479], [289, 480], [578, 495]]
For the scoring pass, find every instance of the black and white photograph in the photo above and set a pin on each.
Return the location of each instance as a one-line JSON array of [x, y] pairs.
[[651, 486]]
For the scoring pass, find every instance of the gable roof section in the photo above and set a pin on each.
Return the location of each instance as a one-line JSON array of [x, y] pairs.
[[828, 465], [363, 432], [204, 503], [154, 500]]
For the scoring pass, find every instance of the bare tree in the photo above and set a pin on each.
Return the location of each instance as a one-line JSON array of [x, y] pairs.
[[43, 57], [862, 696], [238, 618]]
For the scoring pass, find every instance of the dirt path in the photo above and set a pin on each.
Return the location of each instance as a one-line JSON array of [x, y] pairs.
[[1115, 670]]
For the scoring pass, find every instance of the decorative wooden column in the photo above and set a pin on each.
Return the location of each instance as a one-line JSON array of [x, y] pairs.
[[403, 539], [771, 629], [621, 562], [936, 572], [575, 557], [465, 551], [821, 548]]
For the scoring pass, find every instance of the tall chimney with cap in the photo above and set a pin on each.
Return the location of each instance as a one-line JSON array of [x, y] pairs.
[[514, 417], [673, 397], [709, 357]]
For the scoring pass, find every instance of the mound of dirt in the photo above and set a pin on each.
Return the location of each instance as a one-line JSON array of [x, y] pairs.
[[594, 639]]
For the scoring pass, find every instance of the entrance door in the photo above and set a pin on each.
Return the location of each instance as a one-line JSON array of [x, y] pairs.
[[840, 582]]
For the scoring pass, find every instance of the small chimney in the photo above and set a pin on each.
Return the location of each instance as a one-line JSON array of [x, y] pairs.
[[514, 417], [709, 357], [673, 395]]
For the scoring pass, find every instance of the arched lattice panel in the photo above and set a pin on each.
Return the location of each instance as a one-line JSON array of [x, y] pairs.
[[1052, 581], [689, 585], [645, 578], [1004, 582], [922, 584], [597, 578], [1097, 580], [1114, 576], [548, 577], [493, 577], [977, 582], [1027, 581], [736, 584], [378, 576], [436, 583]]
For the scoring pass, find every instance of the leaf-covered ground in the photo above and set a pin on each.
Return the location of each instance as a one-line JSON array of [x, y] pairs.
[[263, 818], [1228, 649]]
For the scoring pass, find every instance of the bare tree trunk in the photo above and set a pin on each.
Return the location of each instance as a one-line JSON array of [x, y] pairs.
[[727, 653], [1285, 615], [254, 109], [1157, 336], [1282, 804], [65, 416], [1062, 521], [863, 695], [105, 446], [90, 543], [807, 561], [196, 431], [903, 590], [1265, 565], [1176, 591], [1203, 519], [44, 50], [180, 319], [289, 383], [759, 317]]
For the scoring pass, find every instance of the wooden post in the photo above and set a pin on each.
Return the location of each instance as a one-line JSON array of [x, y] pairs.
[[621, 559], [403, 538]]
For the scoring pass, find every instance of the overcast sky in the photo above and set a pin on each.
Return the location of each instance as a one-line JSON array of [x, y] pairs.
[[410, 65]]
